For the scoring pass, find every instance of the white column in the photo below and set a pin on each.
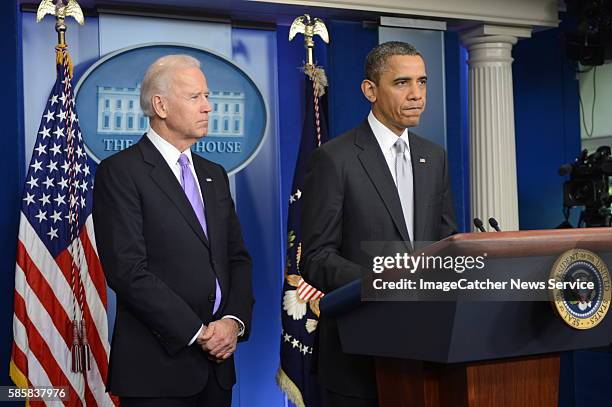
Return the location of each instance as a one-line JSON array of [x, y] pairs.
[[493, 185]]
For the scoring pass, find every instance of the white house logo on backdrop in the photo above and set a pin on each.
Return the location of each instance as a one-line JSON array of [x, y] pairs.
[[108, 101], [119, 113]]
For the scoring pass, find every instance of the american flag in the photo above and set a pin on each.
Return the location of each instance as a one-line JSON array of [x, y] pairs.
[[60, 325]]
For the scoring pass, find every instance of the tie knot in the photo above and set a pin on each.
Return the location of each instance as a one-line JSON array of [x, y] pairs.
[[400, 146], [183, 160]]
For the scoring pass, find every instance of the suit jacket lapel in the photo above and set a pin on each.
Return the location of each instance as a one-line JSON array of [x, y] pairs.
[[420, 174], [164, 178], [373, 161]]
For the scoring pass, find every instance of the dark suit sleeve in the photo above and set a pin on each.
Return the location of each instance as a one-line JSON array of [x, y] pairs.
[[120, 240], [322, 204], [240, 297], [448, 226]]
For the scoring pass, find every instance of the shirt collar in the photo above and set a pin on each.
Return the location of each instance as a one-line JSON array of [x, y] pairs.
[[385, 137], [170, 153]]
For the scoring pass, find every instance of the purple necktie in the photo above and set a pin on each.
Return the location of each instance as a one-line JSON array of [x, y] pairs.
[[188, 182]]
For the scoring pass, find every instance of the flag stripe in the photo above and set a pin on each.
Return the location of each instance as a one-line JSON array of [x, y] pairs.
[[304, 292], [93, 262], [44, 326], [40, 351], [307, 292], [19, 358], [94, 336], [20, 343], [90, 400], [99, 353], [60, 320], [19, 374], [98, 333], [95, 284], [61, 350], [39, 286], [89, 226]]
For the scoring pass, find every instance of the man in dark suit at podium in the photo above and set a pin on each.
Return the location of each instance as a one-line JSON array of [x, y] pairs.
[[377, 182], [172, 249]]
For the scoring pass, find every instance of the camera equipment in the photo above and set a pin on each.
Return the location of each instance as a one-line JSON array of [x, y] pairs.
[[588, 186], [591, 41]]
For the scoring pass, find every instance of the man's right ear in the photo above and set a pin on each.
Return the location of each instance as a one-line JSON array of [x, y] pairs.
[[159, 105], [368, 88]]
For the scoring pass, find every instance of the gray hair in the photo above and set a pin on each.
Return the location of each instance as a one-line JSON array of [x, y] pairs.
[[157, 78], [377, 58]]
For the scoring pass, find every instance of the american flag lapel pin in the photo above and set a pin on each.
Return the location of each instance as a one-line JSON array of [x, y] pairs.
[[422, 160]]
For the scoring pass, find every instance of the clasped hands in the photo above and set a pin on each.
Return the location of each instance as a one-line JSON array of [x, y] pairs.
[[218, 339]]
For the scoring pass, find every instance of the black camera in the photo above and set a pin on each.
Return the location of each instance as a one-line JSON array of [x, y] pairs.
[[590, 42], [588, 186]]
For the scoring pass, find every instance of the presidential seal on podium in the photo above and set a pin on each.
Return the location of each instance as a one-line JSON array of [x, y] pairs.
[[579, 285]]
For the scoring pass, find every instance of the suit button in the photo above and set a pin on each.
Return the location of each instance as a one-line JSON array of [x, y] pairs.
[[211, 298]]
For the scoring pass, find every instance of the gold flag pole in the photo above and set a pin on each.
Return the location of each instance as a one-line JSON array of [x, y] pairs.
[[309, 27], [80, 349]]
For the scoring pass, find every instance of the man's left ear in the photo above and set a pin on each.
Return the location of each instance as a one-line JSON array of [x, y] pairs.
[[368, 88]]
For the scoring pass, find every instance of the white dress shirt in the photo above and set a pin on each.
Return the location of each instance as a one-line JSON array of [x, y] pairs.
[[171, 155], [386, 140]]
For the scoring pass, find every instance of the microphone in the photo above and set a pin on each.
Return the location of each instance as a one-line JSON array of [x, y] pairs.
[[479, 225], [494, 224]]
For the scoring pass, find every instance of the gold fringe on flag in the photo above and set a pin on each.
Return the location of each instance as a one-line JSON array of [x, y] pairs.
[[18, 378], [289, 388]]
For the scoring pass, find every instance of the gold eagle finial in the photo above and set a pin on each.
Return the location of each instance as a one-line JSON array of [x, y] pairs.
[[59, 10], [309, 27]]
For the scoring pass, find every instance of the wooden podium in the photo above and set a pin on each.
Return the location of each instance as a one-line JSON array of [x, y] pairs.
[[525, 382], [466, 353]]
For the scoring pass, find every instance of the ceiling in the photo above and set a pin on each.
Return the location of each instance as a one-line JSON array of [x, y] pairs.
[[241, 12]]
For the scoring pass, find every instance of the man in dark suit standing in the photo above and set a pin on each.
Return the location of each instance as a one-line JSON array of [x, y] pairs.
[[172, 249], [377, 182]]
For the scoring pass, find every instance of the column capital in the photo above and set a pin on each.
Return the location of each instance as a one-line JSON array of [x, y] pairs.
[[483, 40], [484, 49], [494, 33]]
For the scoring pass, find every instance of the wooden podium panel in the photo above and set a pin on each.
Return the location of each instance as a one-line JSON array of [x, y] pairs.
[[520, 382]]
